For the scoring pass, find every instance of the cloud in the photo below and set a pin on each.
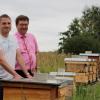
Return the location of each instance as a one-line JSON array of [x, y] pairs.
[[47, 17]]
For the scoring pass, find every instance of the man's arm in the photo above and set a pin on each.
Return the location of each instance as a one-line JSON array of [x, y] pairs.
[[36, 68], [20, 60], [7, 66]]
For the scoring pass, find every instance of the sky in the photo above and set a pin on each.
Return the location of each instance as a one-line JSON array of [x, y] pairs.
[[47, 17]]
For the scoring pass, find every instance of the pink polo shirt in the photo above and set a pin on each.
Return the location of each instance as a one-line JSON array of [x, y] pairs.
[[28, 48]]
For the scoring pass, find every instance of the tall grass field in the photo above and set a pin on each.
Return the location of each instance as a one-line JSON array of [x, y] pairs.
[[51, 61]]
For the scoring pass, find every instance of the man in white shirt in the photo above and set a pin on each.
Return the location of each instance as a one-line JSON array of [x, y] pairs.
[[9, 52]]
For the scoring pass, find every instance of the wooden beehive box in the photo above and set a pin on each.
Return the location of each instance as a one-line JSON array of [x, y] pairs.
[[82, 78], [76, 67], [66, 76], [62, 93], [79, 65], [85, 68], [94, 77], [95, 56]]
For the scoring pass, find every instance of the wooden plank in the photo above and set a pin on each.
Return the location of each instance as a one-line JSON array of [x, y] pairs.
[[26, 94], [76, 68], [95, 69], [82, 78], [75, 62], [62, 93], [34, 94], [94, 77]]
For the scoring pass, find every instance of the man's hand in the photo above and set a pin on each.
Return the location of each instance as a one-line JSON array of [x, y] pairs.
[[28, 75], [17, 76]]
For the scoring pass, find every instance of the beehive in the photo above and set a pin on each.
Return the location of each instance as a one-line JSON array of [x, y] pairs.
[[85, 68], [95, 56]]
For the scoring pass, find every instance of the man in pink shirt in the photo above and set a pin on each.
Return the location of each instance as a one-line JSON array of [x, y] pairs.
[[27, 45]]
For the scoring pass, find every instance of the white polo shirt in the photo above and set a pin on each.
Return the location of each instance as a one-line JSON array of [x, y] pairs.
[[8, 46]]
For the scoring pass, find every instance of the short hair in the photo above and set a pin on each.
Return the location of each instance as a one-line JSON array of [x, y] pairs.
[[4, 16], [21, 18]]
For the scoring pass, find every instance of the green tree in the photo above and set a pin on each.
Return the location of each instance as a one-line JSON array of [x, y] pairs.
[[81, 44], [83, 33], [90, 21]]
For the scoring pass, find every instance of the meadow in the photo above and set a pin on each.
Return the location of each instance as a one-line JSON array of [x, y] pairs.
[[52, 61]]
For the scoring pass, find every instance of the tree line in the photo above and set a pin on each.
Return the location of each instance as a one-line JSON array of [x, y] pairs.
[[83, 33]]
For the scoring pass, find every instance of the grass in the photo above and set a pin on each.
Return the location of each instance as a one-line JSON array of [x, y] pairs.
[[51, 61], [88, 92]]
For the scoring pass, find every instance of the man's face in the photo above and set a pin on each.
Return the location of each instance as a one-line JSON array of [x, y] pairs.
[[22, 27], [5, 26]]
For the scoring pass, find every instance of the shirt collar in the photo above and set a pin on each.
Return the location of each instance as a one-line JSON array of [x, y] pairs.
[[4, 38], [21, 36]]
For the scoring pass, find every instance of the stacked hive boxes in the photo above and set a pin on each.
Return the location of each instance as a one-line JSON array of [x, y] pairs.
[[95, 56], [85, 68], [69, 76]]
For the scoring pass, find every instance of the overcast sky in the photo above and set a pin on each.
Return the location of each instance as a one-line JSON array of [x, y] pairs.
[[47, 17]]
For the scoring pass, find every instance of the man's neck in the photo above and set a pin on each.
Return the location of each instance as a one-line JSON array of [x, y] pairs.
[[23, 34], [4, 35]]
